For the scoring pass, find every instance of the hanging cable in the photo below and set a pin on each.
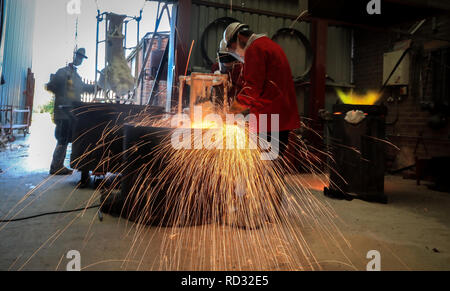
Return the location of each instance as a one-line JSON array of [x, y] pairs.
[[299, 19], [98, 6], [143, 5], [76, 34]]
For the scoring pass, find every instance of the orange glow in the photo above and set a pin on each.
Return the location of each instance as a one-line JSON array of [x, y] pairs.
[[351, 98], [237, 134], [205, 124]]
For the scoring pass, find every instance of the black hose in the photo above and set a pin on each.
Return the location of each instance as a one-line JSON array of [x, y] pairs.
[[308, 49], [50, 213], [219, 21]]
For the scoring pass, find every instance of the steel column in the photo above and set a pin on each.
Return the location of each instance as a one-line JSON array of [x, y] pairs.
[[171, 58], [183, 38], [319, 33]]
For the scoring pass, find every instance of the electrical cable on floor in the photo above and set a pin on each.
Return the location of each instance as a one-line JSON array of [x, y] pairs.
[[50, 213]]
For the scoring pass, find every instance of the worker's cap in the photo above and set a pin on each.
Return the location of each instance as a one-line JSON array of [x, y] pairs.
[[231, 32], [81, 52]]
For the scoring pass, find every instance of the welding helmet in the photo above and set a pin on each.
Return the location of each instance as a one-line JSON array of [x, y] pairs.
[[231, 32], [225, 56]]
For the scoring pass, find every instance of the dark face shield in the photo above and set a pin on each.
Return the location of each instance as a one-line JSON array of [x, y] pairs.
[[226, 62], [226, 58]]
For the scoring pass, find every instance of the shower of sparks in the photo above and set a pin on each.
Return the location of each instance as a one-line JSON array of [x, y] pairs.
[[219, 209], [228, 209]]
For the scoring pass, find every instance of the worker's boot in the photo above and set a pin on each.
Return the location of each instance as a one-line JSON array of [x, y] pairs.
[[85, 179], [57, 166]]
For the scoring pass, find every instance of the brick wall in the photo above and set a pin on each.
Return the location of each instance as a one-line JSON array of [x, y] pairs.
[[368, 62], [159, 98], [148, 82], [412, 120]]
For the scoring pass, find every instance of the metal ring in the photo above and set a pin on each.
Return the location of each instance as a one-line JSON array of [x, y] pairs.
[[222, 20], [308, 48]]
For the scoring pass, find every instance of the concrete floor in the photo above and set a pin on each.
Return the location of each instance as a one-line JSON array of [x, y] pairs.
[[412, 232]]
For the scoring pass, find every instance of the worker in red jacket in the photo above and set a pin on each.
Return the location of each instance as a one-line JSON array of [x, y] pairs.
[[268, 84]]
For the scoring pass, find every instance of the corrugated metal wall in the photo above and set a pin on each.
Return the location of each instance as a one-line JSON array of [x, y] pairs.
[[339, 54], [18, 50], [339, 63], [202, 16], [339, 39]]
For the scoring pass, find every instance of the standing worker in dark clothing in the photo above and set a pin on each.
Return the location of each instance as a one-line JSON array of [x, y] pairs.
[[67, 86]]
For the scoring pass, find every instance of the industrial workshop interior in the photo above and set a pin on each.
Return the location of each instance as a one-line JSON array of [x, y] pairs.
[[244, 136]]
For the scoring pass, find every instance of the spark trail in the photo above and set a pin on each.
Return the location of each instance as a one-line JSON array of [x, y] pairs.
[[222, 209]]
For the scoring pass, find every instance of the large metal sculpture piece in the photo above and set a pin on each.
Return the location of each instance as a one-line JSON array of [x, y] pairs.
[[117, 74]]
